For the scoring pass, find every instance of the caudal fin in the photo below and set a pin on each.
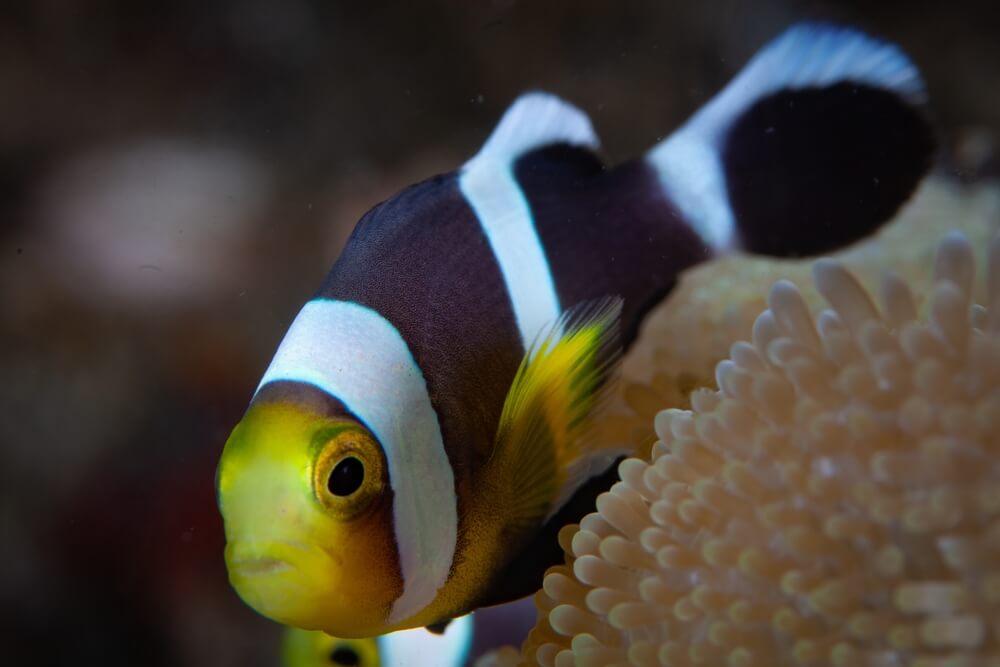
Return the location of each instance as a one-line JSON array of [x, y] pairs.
[[814, 144]]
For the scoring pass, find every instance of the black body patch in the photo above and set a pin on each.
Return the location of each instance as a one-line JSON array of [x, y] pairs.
[[606, 232], [813, 169]]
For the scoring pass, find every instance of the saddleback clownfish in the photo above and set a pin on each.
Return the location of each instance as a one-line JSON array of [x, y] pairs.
[[422, 431]]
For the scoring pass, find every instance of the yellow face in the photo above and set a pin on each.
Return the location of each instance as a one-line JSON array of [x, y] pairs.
[[308, 517]]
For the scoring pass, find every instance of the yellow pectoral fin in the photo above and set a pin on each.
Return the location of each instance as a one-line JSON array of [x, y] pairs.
[[541, 445]]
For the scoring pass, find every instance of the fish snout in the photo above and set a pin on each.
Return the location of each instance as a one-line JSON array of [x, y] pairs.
[[285, 581]]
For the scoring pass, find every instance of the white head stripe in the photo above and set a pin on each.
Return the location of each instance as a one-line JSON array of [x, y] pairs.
[[488, 184], [354, 354]]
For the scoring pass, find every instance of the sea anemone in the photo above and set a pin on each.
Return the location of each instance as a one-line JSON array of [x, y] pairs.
[[835, 502], [716, 303]]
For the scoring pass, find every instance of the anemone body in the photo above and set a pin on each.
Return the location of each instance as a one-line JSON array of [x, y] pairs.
[[836, 501]]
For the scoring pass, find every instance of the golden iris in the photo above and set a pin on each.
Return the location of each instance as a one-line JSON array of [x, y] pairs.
[[349, 473]]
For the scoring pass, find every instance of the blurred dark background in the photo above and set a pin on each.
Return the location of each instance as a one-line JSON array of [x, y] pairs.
[[176, 178]]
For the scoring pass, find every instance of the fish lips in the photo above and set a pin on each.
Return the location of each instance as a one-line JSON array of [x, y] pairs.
[[283, 580]]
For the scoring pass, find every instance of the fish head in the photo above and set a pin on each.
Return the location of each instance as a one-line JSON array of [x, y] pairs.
[[307, 507]]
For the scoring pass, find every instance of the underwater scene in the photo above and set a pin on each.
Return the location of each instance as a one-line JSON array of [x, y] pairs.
[[500, 334]]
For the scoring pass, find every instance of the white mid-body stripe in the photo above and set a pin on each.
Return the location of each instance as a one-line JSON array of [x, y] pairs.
[[354, 354], [506, 219], [488, 184]]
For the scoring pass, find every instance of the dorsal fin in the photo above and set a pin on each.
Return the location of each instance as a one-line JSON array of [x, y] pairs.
[[535, 120], [820, 119]]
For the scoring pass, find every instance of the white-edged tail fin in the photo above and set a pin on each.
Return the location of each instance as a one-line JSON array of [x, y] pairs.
[[818, 79]]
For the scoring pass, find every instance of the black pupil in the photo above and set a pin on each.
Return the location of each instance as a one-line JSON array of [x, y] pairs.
[[346, 478], [344, 655]]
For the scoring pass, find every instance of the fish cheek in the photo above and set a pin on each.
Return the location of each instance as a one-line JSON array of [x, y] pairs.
[[372, 577]]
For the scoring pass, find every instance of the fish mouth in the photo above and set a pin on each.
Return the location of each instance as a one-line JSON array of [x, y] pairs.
[[287, 560], [255, 559], [258, 567], [285, 581]]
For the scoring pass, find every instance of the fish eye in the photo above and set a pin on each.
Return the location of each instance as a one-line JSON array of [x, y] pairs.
[[346, 477], [345, 656], [349, 471]]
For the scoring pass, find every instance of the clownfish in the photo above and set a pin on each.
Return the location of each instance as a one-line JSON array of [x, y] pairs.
[[407, 648], [423, 429]]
